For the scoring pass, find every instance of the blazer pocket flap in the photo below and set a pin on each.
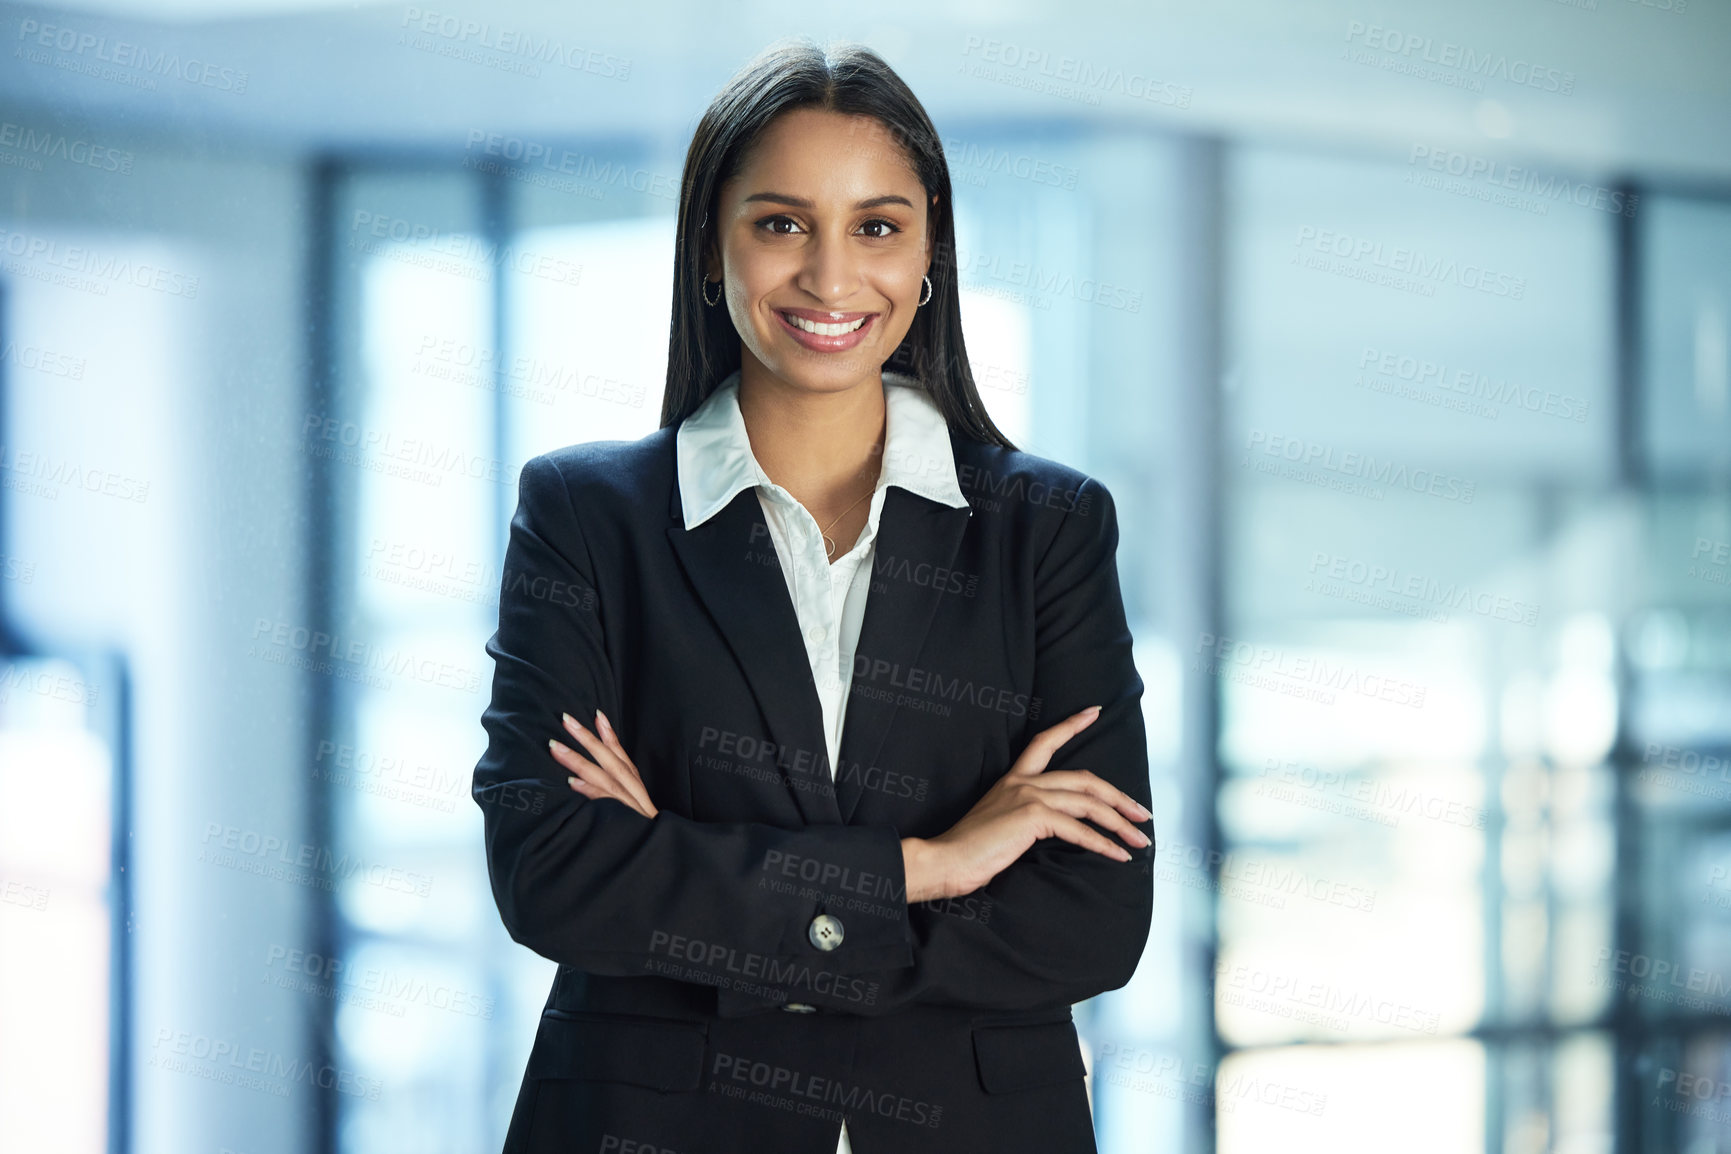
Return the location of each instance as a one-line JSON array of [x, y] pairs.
[[659, 1055], [1016, 1057]]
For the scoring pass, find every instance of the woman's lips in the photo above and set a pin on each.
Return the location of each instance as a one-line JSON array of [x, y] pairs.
[[826, 344]]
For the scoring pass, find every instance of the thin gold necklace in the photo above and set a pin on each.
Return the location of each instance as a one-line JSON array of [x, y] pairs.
[[828, 541]]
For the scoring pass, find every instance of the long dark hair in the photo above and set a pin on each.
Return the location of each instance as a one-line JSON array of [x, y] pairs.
[[703, 346]]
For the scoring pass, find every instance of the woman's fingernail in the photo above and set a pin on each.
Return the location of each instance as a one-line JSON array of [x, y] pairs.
[[1143, 810], [601, 722], [552, 743], [1092, 709]]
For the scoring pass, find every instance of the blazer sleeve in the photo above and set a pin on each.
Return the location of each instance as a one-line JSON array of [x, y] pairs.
[[593, 884], [1062, 923]]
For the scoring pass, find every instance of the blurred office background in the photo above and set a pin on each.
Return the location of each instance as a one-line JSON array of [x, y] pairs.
[[1399, 331]]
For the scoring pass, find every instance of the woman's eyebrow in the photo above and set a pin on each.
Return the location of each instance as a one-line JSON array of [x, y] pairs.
[[801, 202]]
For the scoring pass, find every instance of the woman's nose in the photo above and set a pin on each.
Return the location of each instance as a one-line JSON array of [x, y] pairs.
[[831, 270]]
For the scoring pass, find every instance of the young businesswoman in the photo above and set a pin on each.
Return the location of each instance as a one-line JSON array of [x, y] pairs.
[[816, 753]]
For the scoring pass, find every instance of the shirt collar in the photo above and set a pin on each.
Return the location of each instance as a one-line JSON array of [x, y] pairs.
[[715, 459]]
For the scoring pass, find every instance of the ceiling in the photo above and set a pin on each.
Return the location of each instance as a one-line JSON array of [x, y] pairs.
[[1614, 86]]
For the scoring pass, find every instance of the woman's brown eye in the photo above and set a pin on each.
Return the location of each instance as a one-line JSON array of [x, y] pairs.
[[887, 225]]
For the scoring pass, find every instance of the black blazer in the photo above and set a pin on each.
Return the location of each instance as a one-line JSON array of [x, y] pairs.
[[700, 1006]]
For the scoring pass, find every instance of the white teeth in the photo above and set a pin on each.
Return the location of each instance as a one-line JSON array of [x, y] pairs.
[[821, 329]]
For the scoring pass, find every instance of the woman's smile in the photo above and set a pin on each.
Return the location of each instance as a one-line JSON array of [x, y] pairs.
[[825, 332]]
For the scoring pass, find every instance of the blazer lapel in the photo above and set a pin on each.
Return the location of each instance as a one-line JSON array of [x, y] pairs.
[[912, 530], [748, 601]]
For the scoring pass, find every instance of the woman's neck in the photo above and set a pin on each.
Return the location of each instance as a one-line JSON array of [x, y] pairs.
[[826, 448]]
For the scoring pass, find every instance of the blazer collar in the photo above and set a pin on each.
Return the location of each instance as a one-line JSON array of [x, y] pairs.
[[715, 460]]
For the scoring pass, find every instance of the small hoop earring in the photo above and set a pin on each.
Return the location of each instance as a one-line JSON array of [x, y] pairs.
[[704, 289], [928, 296]]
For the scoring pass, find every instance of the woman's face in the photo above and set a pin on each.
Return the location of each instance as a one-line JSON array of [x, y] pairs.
[[826, 225]]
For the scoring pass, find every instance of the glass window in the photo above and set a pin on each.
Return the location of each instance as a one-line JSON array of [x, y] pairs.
[[1417, 667], [418, 980], [56, 909]]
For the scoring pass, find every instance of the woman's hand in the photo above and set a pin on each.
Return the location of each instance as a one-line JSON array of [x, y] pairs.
[[611, 774], [1023, 806]]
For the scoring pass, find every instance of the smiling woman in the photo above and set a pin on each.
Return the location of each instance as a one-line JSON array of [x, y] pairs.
[[822, 287], [781, 751]]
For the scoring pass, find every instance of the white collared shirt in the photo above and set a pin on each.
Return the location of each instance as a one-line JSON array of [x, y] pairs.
[[716, 462]]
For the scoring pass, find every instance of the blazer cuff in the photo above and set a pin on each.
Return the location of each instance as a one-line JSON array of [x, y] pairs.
[[846, 921]]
